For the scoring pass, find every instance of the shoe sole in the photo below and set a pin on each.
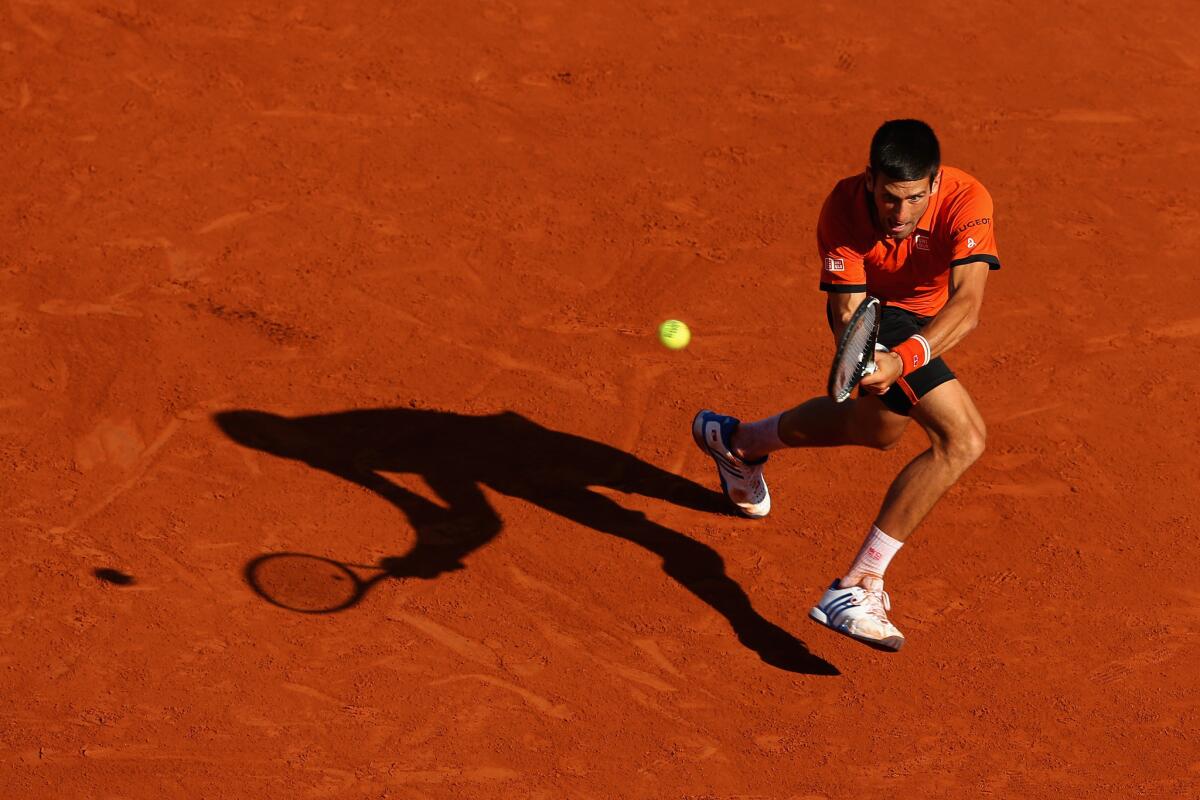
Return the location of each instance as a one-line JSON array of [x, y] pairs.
[[698, 438], [891, 644]]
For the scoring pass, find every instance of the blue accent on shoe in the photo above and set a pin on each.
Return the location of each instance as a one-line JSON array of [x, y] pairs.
[[835, 609], [745, 476], [729, 426]]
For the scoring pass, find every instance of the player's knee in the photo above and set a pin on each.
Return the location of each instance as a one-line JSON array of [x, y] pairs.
[[966, 446]]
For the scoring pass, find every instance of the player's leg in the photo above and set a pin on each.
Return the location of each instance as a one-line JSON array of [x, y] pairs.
[[957, 436], [856, 605], [942, 406], [740, 450], [820, 422]]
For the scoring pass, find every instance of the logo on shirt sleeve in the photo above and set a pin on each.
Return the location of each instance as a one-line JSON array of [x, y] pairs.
[[975, 223], [970, 242], [834, 264]]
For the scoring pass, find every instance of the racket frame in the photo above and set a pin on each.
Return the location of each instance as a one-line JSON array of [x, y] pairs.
[[867, 364]]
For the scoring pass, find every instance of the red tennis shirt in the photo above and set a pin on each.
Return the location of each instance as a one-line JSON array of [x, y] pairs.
[[913, 273]]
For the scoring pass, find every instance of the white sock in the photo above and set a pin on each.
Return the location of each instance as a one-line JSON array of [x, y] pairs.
[[753, 440], [874, 557]]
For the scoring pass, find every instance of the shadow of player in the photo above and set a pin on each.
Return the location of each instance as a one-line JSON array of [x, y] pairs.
[[456, 454]]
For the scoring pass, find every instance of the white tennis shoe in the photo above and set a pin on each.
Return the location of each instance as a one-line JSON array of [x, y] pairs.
[[861, 614], [742, 481]]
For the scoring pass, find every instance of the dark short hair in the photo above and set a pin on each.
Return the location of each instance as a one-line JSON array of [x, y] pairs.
[[905, 150]]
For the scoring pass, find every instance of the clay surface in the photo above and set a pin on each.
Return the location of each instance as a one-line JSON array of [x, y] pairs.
[[341, 459]]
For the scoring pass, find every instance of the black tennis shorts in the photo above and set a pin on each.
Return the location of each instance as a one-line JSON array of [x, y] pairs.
[[896, 325]]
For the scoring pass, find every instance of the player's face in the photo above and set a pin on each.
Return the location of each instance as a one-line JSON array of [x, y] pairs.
[[899, 205]]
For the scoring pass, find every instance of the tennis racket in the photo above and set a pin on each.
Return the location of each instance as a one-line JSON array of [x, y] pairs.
[[855, 357]]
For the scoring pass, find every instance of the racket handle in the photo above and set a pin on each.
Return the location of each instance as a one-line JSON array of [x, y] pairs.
[[873, 366]]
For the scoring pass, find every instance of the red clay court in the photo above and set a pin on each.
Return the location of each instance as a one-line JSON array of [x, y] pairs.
[[281, 283]]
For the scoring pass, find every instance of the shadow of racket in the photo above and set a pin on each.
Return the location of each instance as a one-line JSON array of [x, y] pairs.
[[311, 584]]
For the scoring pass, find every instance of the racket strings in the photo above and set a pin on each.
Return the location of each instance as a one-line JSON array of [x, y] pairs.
[[858, 342], [856, 350]]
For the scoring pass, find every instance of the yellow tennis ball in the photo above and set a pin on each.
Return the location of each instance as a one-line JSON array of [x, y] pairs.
[[674, 334]]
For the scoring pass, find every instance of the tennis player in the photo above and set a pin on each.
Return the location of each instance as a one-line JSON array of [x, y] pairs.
[[919, 236]]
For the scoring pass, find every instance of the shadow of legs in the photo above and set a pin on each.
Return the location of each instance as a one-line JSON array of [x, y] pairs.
[[700, 570]]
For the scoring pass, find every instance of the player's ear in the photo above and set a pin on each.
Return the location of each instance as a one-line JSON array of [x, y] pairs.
[[870, 180], [936, 182]]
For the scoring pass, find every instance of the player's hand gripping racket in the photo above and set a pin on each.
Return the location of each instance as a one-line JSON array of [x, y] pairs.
[[855, 357]]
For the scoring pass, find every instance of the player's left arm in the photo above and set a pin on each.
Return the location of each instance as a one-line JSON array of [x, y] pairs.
[[957, 318], [960, 315]]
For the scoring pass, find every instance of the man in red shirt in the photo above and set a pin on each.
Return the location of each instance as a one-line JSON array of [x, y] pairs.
[[919, 236]]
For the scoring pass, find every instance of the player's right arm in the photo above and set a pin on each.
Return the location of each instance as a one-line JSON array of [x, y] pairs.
[[839, 308], [843, 276]]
